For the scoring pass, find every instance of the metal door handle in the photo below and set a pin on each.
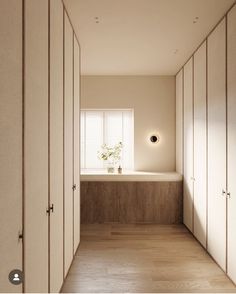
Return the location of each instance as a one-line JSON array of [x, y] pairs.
[[228, 195], [20, 236], [50, 209]]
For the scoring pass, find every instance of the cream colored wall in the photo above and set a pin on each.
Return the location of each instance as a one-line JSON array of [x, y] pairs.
[[153, 101]]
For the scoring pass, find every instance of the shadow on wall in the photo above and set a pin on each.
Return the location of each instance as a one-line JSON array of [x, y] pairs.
[[192, 220]]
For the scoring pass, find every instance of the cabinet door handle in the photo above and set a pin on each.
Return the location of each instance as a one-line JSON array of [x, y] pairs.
[[228, 195], [50, 209], [223, 192], [20, 236], [74, 187]]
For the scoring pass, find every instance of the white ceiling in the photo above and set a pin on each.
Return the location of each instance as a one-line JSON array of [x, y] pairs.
[[141, 37]]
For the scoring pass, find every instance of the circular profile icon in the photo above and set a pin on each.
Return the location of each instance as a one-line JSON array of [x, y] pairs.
[[16, 277]]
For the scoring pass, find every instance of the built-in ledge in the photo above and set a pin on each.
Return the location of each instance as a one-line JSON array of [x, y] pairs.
[[129, 176]]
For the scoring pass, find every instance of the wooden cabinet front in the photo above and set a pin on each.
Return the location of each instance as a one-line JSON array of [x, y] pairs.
[[131, 202]]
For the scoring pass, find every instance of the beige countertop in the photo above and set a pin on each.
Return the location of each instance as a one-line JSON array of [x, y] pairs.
[[129, 176]]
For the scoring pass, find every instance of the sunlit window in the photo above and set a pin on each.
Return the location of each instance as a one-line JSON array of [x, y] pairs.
[[109, 127]]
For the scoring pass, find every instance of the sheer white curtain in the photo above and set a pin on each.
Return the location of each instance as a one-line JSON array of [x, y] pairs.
[[106, 127]]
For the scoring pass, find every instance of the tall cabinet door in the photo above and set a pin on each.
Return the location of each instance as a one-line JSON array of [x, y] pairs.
[[217, 144], [56, 145], [76, 143], [188, 144], [36, 146], [232, 143], [10, 141], [179, 122], [200, 144], [68, 144]]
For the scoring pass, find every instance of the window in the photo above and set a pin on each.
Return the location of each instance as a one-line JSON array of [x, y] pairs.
[[109, 127]]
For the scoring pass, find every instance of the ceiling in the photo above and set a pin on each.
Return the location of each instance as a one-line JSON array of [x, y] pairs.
[[141, 37]]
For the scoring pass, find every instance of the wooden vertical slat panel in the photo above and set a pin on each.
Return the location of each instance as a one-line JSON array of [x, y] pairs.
[[217, 144], [188, 144], [76, 144], [11, 67], [68, 144], [231, 66], [36, 146], [200, 144], [179, 122], [56, 144]]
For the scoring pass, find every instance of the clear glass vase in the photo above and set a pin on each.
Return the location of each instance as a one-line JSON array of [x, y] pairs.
[[110, 166]]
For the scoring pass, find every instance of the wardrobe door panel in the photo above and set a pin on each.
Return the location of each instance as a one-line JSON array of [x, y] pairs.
[[179, 122], [56, 145], [36, 146], [68, 144], [232, 143], [200, 144], [76, 144], [188, 144], [10, 141], [217, 144]]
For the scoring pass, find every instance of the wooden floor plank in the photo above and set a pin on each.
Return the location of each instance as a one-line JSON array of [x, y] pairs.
[[143, 258]]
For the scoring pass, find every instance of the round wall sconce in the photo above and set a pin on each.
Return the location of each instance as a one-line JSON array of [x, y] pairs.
[[154, 139]]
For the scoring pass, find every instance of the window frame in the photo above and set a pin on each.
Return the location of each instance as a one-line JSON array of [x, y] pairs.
[[103, 110]]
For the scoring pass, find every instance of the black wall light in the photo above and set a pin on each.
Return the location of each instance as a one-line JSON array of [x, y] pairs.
[[154, 139]]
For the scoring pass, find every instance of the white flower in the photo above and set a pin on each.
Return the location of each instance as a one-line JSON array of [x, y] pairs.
[[112, 154]]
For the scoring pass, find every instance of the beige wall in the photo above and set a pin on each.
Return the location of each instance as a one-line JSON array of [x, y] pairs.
[[153, 101]]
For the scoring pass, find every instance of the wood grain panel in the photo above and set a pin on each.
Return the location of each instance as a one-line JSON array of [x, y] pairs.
[[56, 144], [109, 208], [99, 202], [68, 143], [200, 145], [188, 144], [231, 65], [217, 144], [10, 140], [179, 122], [131, 202], [127, 197], [143, 258], [36, 146]]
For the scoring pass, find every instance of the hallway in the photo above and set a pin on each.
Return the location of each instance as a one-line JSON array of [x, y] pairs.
[[143, 258], [117, 149]]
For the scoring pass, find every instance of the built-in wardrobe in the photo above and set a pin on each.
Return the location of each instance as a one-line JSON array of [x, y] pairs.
[[206, 142], [40, 182]]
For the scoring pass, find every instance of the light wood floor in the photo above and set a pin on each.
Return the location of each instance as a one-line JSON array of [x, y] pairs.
[[143, 258]]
